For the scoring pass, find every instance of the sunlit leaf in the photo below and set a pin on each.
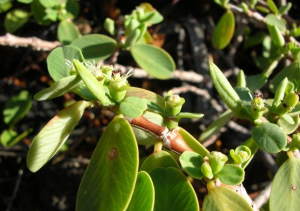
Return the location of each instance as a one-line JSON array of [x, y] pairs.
[[111, 174], [49, 140], [191, 163], [231, 174], [287, 126], [155, 61], [271, 19], [10, 137]]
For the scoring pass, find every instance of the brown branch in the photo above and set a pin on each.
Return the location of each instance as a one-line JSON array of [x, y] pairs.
[[33, 42]]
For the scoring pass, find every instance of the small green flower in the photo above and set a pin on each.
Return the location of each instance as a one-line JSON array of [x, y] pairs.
[[207, 170], [216, 161], [173, 104], [257, 107], [295, 144], [241, 154]]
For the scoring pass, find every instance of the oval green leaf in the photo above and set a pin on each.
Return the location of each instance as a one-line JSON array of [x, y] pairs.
[[159, 159], [51, 138], [191, 163], [231, 174], [224, 31], [56, 61], [224, 199], [255, 82], [143, 195], [173, 191], [109, 180], [133, 107], [272, 6], [276, 35], [285, 192], [95, 47], [155, 61], [67, 32], [269, 137], [17, 107], [39, 12], [15, 19], [272, 19], [288, 127], [9, 137], [59, 88], [143, 137], [193, 143]]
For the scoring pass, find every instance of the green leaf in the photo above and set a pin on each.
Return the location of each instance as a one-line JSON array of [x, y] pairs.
[[55, 133], [276, 35], [222, 198], [224, 89], [5, 7], [159, 159], [272, 6], [250, 143], [95, 46], [73, 8], [15, 19], [9, 137], [224, 31], [254, 40], [255, 82], [216, 125], [16, 108], [39, 12], [25, 1], [287, 126], [95, 86], [84, 92], [132, 37], [67, 32], [292, 72], [188, 115], [109, 180], [172, 190], [269, 137], [231, 174], [145, 94], [191, 163], [284, 9], [59, 88], [49, 3], [280, 92], [56, 61], [143, 137], [155, 61], [133, 107], [193, 143], [109, 26], [285, 192], [271, 19], [143, 195]]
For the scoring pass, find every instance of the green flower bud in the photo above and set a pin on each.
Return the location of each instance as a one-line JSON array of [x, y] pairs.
[[216, 161], [236, 157], [291, 100], [107, 70], [257, 107], [118, 85], [295, 144], [207, 171], [173, 104]]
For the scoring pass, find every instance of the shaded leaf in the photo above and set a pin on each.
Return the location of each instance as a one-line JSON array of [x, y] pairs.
[[255, 82], [50, 139], [271, 19], [224, 31], [269, 137], [191, 163], [9, 137], [16, 108], [155, 61], [67, 32], [173, 191], [288, 127], [15, 19], [111, 174], [143, 195], [39, 12], [56, 61], [133, 107], [95, 46], [73, 8], [285, 192]]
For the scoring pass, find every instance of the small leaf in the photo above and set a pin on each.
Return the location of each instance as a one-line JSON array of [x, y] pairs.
[[254, 40], [191, 163], [285, 192], [109, 180], [5, 7], [17, 107], [56, 61], [280, 92], [193, 143], [49, 3], [25, 1], [216, 125], [73, 8], [59, 88], [255, 82], [231, 174], [172, 190], [143, 137], [284, 9], [143, 195], [94, 86], [133, 107], [10, 138], [223, 198], [188, 115], [39, 12], [159, 159], [49, 140], [67, 32], [269, 137], [15, 19], [224, 88], [154, 60], [250, 143], [224, 31], [271, 19], [95, 46], [272, 6], [132, 37], [287, 126], [276, 35], [109, 26]]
